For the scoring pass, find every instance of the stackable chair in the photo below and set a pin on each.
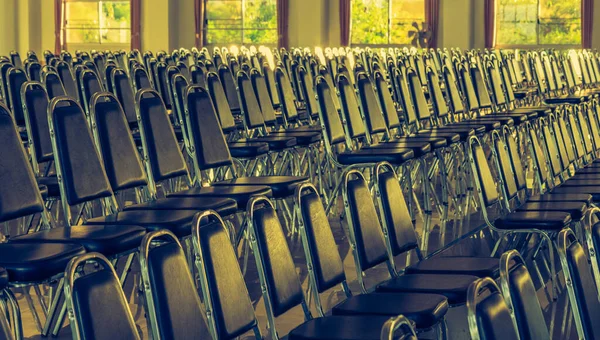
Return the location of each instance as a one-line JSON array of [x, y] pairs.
[[97, 305], [583, 293], [171, 301], [53, 84], [521, 298], [89, 84], [326, 271], [34, 71], [16, 77], [124, 93], [66, 76], [488, 314], [140, 79], [282, 290]]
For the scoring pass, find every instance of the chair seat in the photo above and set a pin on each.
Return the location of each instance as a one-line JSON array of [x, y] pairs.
[[520, 94], [394, 156], [508, 121], [241, 194], [554, 197], [36, 262], [276, 143], [179, 222], [530, 113], [575, 182], [420, 149], [223, 206], [594, 191], [453, 287], [490, 125], [51, 182], [592, 169], [464, 132], [566, 99], [450, 137], [541, 110], [518, 118], [106, 240], [543, 220], [303, 128], [587, 176], [340, 328], [248, 149], [302, 138], [282, 186], [457, 265], [436, 143], [426, 310], [575, 209]]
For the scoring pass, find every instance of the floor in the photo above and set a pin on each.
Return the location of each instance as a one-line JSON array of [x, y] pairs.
[[557, 312]]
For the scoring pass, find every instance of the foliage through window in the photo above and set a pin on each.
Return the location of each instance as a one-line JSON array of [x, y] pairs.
[[385, 22], [98, 22], [241, 22], [538, 22]]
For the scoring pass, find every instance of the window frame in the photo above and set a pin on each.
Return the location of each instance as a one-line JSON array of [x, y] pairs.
[[389, 29], [94, 45], [205, 28], [537, 34]]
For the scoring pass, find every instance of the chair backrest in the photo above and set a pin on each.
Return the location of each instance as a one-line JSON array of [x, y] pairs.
[[307, 87], [369, 105], [107, 76], [262, 94], [224, 291], [504, 165], [484, 179], [386, 101], [19, 194], [119, 154], [209, 146], [520, 295], [76, 157], [539, 157], [15, 59], [124, 93], [97, 305], [406, 100], [488, 313], [277, 271], [178, 85], [171, 300], [398, 328], [162, 82], [215, 88], [35, 110], [90, 84], [229, 86], [16, 78], [438, 99], [400, 236], [141, 79], [286, 95], [161, 149], [483, 96], [34, 71], [198, 75], [333, 130], [53, 84], [350, 108], [417, 94], [250, 109], [64, 72]]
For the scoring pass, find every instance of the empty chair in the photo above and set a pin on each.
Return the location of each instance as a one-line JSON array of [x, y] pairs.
[[140, 79], [488, 313], [171, 300], [16, 78], [89, 85], [34, 70], [124, 93], [66, 76], [96, 303], [53, 84]]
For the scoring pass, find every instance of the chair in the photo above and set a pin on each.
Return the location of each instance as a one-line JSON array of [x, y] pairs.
[[97, 305], [140, 79], [16, 77], [171, 301], [66, 76], [277, 274], [124, 93], [53, 84], [583, 294], [521, 298], [34, 70], [89, 84], [488, 314], [326, 271]]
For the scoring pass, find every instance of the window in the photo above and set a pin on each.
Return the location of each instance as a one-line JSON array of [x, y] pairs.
[[538, 22], [241, 22], [385, 22], [98, 22]]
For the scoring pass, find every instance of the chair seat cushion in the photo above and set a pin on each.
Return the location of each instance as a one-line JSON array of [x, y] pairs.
[[436, 143], [592, 169], [576, 182], [554, 197], [51, 182], [276, 143], [520, 94], [541, 110], [543, 220], [223, 206], [302, 138], [420, 149], [106, 240], [305, 128], [248, 149], [179, 222], [282, 186], [530, 113], [457, 265], [575, 209], [241, 194], [394, 156], [450, 137], [489, 125], [36, 262], [503, 120], [566, 99], [453, 287], [518, 118], [340, 328], [425, 310], [594, 191], [463, 132]]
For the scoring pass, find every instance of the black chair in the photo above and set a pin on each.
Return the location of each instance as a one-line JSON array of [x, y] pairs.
[[583, 293], [107, 76], [66, 76], [97, 305], [140, 79], [15, 59], [326, 270], [521, 298], [89, 84], [229, 85], [277, 274], [53, 84], [34, 71], [488, 314], [16, 77], [171, 301], [123, 91], [197, 75]]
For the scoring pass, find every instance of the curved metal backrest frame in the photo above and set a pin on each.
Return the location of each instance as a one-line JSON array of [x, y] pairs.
[[475, 289], [395, 324]]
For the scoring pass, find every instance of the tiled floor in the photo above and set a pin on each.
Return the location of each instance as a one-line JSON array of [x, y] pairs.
[[558, 316]]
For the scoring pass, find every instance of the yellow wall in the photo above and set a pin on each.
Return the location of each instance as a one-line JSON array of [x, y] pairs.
[[169, 24]]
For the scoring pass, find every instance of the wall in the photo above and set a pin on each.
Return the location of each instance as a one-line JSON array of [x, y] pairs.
[[169, 24]]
